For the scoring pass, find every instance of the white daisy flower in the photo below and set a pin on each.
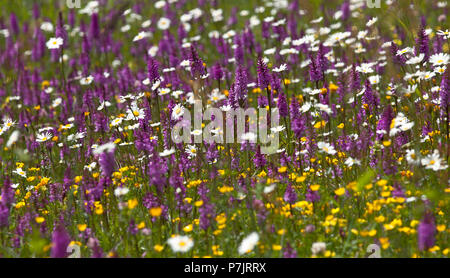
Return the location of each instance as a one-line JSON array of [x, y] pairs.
[[4, 32], [269, 188], [283, 67], [130, 127], [43, 137], [434, 162], [141, 35], [440, 70], [13, 138], [163, 23], [185, 63], [427, 75], [225, 108], [324, 108], [244, 13], [153, 51], [120, 191], [374, 79], [254, 21], [439, 59], [410, 89], [146, 23], [365, 68], [324, 31], [48, 90], [180, 243], [372, 21], [177, 112], [116, 121], [318, 20], [163, 91], [305, 107], [248, 243], [352, 161], [318, 247], [176, 94], [47, 26], [445, 34], [76, 136], [386, 44], [167, 152], [135, 113], [108, 147], [125, 28], [103, 105], [411, 157], [216, 96], [160, 4], [55, 43], [20, 172], [313, 92], [191, 150], [405, 50], [86, 80], [217, 15], [270, 51], [415, 60], [326, 148], [91, 8], [146, 81], [91, 166], [8, 123], [155, 84], [400, 123]]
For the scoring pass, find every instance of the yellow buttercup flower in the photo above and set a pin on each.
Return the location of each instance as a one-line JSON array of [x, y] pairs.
[[132, 203], [333, 87], [276, 247], [188, 228], [282, 169], [158, 248], [141, 225], [380, 219], [440, 228], [99, 209], [155, 212], [382, 182], [81, 227], [340, 191], [39, 219]]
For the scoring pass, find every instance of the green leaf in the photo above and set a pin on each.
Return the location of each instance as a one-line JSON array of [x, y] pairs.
[[365, 179]]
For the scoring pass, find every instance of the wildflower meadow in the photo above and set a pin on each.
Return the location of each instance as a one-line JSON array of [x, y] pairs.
[[224, 129]]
